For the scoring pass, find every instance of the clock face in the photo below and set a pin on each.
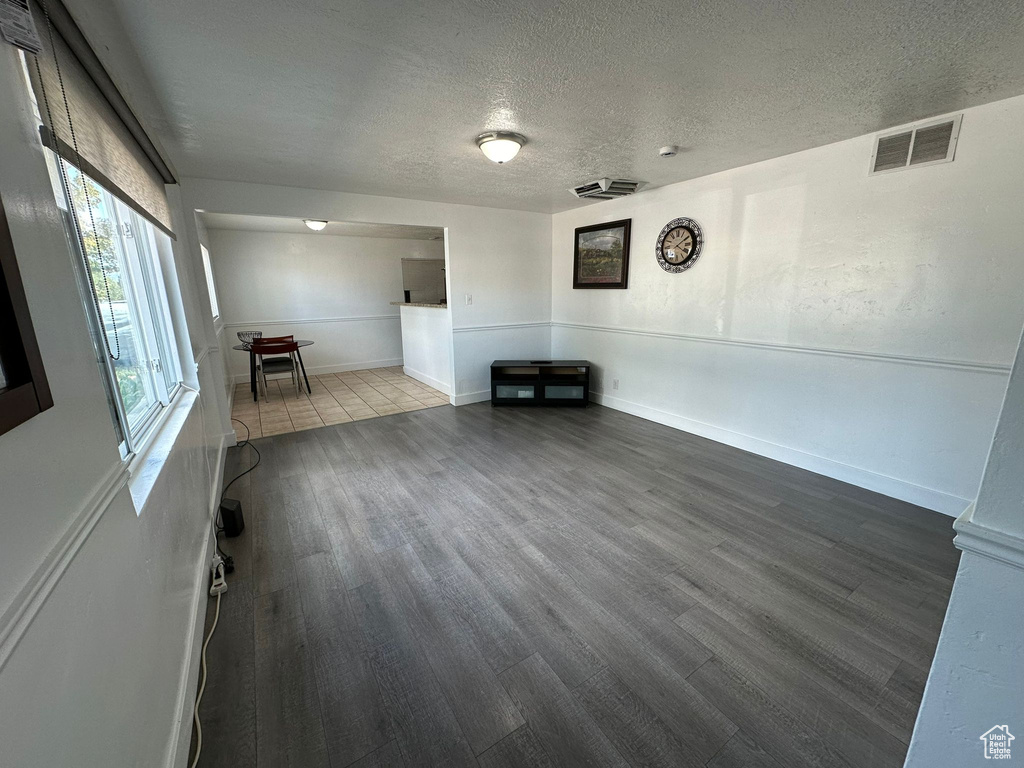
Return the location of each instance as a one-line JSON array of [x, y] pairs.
[[679, 245]]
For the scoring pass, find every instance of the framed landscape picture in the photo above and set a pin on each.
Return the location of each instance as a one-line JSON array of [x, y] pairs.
[[601, 255]]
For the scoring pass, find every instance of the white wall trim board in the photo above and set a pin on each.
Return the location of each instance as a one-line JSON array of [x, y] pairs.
[[935, 362], [309, 320], [189, 681], [988, 542], [472, 397], [890, 486], [430, 381], [198, 357], [501, 326], [243, 378], [26, 605]]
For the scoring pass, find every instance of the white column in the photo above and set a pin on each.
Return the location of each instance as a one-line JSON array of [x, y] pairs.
[[977, 676]]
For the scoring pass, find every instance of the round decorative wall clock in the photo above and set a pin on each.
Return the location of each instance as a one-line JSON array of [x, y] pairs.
[[679, 245]]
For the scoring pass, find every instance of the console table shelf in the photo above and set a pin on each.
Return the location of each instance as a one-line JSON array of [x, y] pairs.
[[540, 382]]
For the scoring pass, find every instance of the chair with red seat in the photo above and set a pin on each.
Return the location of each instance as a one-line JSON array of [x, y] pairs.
[[276, 339], [286, 361]]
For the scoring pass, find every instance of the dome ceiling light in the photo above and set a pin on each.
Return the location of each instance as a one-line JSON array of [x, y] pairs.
[[315, 224], [500, 146]]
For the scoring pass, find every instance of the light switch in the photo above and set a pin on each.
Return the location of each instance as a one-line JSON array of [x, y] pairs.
[[469, 299]]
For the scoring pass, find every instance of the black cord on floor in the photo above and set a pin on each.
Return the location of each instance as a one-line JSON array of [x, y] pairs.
[[240, 445], [228, 560]]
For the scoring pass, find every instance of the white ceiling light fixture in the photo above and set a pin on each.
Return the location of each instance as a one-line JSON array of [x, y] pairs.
[[315, 224], [500, 146]]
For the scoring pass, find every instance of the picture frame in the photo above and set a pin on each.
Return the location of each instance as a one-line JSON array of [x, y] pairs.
[[601, 255], [24, 390]]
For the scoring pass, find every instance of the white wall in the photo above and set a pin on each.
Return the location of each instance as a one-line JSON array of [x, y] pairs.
[[500, 257], [335, 290], [97, 603], [978, 671], [858, 326], [427, 346]]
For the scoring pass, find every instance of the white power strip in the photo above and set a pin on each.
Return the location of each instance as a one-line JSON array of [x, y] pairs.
[[218, 585]]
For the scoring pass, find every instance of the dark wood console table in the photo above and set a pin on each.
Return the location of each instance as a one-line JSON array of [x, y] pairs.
[[540, 382]]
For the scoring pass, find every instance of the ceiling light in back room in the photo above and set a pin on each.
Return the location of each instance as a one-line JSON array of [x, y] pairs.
[[500, 146], [315, 224]]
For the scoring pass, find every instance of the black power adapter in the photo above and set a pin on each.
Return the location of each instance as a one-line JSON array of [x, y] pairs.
[[231, 519]]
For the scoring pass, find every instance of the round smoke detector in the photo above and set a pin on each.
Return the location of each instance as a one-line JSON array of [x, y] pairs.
[[669, 151]]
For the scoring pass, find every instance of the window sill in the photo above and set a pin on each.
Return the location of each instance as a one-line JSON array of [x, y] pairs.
[[146, 465]]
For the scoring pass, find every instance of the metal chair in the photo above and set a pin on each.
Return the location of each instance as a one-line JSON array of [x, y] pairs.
[[276, 365], [248, 337], [276, 340]]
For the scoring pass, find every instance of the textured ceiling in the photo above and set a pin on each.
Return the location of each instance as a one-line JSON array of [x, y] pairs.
[[296, 226], [387, 97]]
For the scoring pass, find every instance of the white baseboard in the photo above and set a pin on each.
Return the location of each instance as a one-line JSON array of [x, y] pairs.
[[177, 756], [315, 370], [472, 397], [889, 486], [430, 381]]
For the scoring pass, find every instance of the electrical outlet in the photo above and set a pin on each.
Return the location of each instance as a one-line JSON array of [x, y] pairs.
[[615, 383], [469, 299]]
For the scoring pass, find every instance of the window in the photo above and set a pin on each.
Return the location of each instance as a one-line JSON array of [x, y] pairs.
[[24, 391], [214, 305], [125, 299]]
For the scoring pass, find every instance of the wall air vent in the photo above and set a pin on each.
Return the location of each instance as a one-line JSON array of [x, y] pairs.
[[924, 144], [606, 189]]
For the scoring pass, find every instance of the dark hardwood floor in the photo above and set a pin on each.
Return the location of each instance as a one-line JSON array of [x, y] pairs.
[[516, 587]]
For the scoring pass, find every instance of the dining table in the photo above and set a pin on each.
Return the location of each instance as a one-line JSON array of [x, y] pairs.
[[246, 347]]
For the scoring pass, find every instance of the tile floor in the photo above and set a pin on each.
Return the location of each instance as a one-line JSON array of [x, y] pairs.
[[336, 398]]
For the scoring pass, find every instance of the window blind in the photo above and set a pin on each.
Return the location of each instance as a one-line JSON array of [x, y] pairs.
[[111, 146]]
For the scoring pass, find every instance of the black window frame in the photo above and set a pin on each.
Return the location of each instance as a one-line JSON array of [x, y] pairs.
[[27, 392]]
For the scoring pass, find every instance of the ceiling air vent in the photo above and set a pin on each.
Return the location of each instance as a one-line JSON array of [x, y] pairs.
[[925, 144], [606, 189]]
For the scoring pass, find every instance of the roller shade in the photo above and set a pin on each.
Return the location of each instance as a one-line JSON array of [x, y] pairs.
[[110, 153]]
